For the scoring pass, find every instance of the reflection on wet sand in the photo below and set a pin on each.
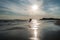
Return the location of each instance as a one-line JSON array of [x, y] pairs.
[[34, 30]]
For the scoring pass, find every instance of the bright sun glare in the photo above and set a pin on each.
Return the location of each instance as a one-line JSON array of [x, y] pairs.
[[34, 7]]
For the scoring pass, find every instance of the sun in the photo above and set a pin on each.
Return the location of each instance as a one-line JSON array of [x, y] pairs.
[[34, 7]]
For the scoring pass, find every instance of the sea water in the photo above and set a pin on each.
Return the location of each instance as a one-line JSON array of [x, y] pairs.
[[34, 30]]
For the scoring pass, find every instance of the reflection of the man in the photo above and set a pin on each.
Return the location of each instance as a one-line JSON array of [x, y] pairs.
[[34, 29]]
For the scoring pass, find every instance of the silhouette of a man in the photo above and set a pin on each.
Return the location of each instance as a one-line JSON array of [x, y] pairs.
[[30, 20]]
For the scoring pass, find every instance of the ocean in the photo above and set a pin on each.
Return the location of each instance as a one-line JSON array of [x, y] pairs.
[[24, 30]]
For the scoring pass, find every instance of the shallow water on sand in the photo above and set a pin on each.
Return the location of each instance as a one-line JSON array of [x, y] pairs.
[[34, 30]]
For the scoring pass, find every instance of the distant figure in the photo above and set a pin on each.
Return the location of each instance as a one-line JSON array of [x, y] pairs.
[[30, 20]]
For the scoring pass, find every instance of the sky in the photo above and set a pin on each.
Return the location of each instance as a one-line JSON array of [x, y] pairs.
[[23, 8]]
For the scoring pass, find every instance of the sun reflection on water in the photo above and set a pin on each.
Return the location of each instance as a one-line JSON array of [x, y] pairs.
[[34, 29]]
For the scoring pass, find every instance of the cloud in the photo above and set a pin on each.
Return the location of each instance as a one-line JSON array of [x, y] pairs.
[[18, 7], [22, 7], [52, 6]]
